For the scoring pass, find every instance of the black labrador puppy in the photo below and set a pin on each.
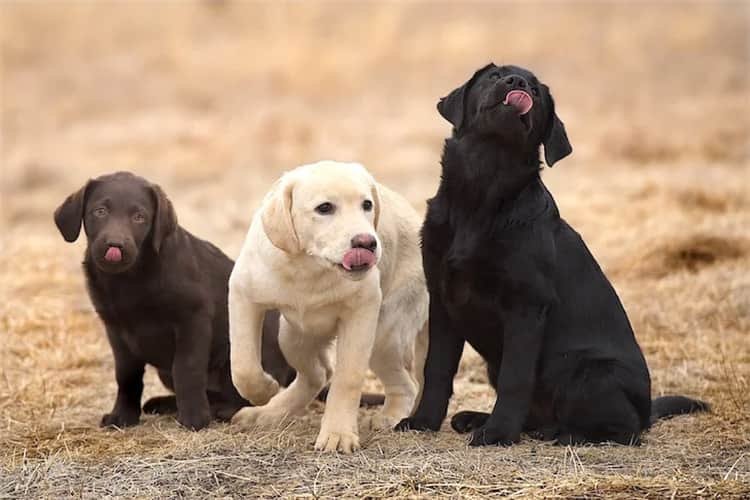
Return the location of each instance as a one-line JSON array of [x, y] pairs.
[[162, 295], [512, 278]]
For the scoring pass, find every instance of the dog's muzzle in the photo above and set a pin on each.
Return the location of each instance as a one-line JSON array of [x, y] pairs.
[[362, 254]]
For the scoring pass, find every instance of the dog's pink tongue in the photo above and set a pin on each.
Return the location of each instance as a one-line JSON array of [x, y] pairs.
[[113, 254], [519, 100], [358, 257]]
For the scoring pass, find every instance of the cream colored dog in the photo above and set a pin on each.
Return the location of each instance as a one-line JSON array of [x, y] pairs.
[[338, 255]]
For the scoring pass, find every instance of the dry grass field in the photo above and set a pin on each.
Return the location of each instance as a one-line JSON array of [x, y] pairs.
[[213, 100]]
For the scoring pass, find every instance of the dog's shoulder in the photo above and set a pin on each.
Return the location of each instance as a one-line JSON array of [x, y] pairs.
[[398, 218], [398, 230], [261, 271]]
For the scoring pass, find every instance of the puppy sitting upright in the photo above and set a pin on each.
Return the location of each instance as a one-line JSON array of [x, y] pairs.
[[508, 275], [338, 255], [162, 295]]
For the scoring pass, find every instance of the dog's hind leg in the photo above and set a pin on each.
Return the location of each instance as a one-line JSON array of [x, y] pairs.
[[602, 403], [400, 352], [466, 421], [310, 357], [393, 362], [389, 366], [161, 405], [420, 358]]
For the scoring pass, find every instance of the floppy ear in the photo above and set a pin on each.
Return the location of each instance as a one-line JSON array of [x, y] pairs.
[[452, 107], [556, 144], [277, 217], [69, 215], [165, 218], [375, 205]]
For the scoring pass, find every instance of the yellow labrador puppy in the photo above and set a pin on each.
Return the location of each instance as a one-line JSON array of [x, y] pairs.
[[338, 255]]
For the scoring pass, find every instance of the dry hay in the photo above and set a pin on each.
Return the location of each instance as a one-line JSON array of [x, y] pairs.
[[214, 99]]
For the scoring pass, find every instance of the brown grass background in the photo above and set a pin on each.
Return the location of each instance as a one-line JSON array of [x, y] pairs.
[[213, 100]]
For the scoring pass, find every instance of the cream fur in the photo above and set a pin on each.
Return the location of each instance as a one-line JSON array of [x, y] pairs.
[[289, 262]]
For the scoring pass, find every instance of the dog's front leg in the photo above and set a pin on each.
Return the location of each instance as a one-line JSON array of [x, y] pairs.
[[355, 337], [443, 355], [129, 376], [522, 341], [245, 342], [190, 371]]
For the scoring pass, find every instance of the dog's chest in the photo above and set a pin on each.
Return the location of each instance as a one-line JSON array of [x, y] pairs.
[[154, 343], [320, 320], [141, 323], [315, 306]]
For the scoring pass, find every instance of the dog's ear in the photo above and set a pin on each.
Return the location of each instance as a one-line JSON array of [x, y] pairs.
[[453, 106], [165, 218], [276, 216], [556, 143], [69, 215], [375, 205]]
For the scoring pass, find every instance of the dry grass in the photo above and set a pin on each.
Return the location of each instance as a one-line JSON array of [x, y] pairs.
[[214, 99]]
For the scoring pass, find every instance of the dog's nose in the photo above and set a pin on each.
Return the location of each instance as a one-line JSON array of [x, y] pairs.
[[366, 241], [515, 82]]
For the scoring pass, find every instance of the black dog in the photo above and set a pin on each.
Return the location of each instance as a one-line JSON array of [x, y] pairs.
[[508, 275], [162, 295]]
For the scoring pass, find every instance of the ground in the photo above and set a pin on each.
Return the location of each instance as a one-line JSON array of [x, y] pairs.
[[213, 100]]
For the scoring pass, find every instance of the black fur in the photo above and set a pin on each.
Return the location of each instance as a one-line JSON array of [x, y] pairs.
[[509, 276]]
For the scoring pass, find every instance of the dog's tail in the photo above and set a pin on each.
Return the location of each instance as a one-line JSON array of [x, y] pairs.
[[669, 406], [367, 399]]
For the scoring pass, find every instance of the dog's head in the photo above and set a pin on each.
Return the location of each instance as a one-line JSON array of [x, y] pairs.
[[123, 216], [328, 210], [511, 105]]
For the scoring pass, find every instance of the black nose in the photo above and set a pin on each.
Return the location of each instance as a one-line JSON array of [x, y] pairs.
[[366, 241], [515, 82]]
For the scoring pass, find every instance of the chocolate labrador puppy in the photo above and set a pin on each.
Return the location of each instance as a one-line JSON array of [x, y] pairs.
[[508, 275], [162, 295]]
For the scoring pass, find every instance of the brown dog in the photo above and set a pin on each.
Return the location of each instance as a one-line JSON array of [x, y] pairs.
[[162, 295]]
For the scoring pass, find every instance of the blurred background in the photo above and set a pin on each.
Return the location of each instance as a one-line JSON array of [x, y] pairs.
[[213, 100]]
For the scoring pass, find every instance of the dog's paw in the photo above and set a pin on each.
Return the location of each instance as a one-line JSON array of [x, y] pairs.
[[258, 390], [380, 421], [194, 421], [161, 405], [225, 412], [121, 419], [466, 421], [344, 441], [485, 436], [258, 417], [417, 424]]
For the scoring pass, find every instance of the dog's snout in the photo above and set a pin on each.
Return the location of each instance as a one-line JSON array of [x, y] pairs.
[[117, 243], [515, 82], [366, 241]]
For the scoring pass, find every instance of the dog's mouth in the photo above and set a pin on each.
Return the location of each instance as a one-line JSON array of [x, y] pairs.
[[522, 102], [113, 254], [357, 260], [112, 260]]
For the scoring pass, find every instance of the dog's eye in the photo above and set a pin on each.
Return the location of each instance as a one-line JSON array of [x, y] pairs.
[[100, 212], [325, 208], [494, 76], [535, 91], [139, 218], [367, 205]]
